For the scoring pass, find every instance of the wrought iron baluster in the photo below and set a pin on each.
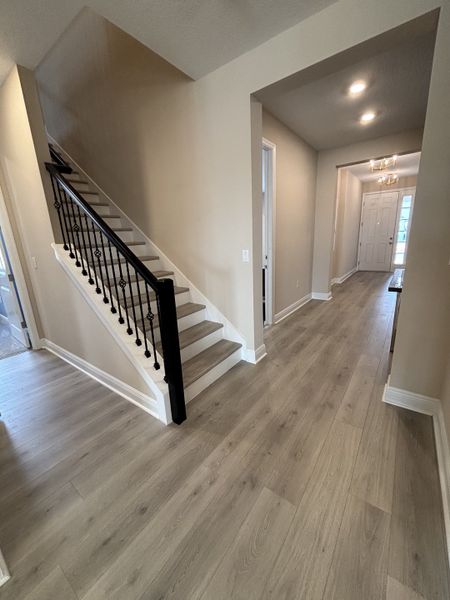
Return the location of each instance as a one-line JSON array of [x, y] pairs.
[[150, 318], [98, 253], [141, 313], [75, 230], [84, 255], [65, 208], [91, 252], [59, 209], [113, 308], [115, 285], [123, 284], [136, 328]]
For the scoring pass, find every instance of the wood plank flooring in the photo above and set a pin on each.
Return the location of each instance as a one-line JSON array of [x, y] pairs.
[[289, 480]]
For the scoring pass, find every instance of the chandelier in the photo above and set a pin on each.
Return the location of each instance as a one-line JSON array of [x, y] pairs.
[[389, 179], [383, 163]]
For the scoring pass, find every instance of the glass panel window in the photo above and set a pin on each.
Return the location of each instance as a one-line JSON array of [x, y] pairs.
[[403, 230]]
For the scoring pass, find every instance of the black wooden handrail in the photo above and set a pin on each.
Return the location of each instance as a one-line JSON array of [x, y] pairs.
[[105, 229], [72, 208]]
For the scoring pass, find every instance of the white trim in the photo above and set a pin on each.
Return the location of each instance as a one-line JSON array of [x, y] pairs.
[[254, 356], [19, 276], [283, 314], [343, 278], [212, 312], [432, 407], [4, 573], [128, 392], [153, 378], [271, 220], [321, 296]]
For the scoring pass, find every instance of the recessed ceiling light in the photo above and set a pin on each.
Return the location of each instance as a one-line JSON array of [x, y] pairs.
[[367, 117], [357, 87]]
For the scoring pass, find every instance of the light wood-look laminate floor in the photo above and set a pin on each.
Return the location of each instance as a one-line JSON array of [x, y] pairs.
[[290, 479]]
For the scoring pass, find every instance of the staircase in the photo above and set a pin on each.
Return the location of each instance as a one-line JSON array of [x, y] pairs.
[[205, 354]]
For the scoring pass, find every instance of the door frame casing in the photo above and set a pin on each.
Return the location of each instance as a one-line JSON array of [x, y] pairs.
[[271, 149], [19, 276]]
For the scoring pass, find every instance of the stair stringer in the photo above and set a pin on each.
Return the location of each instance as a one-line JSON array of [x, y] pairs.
[[213, 313], [158, 401]]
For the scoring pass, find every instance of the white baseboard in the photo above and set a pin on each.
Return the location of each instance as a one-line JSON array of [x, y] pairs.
[[283, 314], [343, 278], [429, 406], [131, 394], [321, 296], [254, 356], [4, 573]]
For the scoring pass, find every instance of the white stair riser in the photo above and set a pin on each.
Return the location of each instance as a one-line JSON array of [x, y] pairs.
[[184, 323], [203, 382], [202, 344]]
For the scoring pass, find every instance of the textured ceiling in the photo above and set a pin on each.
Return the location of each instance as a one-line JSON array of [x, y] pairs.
[[407, 164], [318, 108], [197, 36]]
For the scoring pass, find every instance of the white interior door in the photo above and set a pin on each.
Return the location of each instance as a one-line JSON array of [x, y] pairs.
[[10, 308], [376, 238]]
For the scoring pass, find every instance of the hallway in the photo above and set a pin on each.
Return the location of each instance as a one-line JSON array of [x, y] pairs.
[[289, 480]]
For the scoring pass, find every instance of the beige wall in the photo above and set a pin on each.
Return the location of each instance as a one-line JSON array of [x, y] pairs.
[[403, 182], [296, 169], [348, 216], [65, 318], [141, 129], [217, 204]]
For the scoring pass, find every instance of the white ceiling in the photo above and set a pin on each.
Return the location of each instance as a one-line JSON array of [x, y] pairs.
[[197, 36], [407, 164], [317, 107]]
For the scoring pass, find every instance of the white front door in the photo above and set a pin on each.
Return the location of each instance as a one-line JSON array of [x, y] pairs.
[[10, 308], [378, 218]]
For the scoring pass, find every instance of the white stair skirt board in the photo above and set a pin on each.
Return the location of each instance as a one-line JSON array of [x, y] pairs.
[[4, 573], [212, 312], [292, 308], [321, 296], [157, 403], [343, 278], [432, 407]]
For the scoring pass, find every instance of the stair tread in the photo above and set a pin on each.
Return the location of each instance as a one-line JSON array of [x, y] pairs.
[[176, 289], [113, 228], [141, 258], [93, 203], [202, 363], [183, 310], [195, 333]]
